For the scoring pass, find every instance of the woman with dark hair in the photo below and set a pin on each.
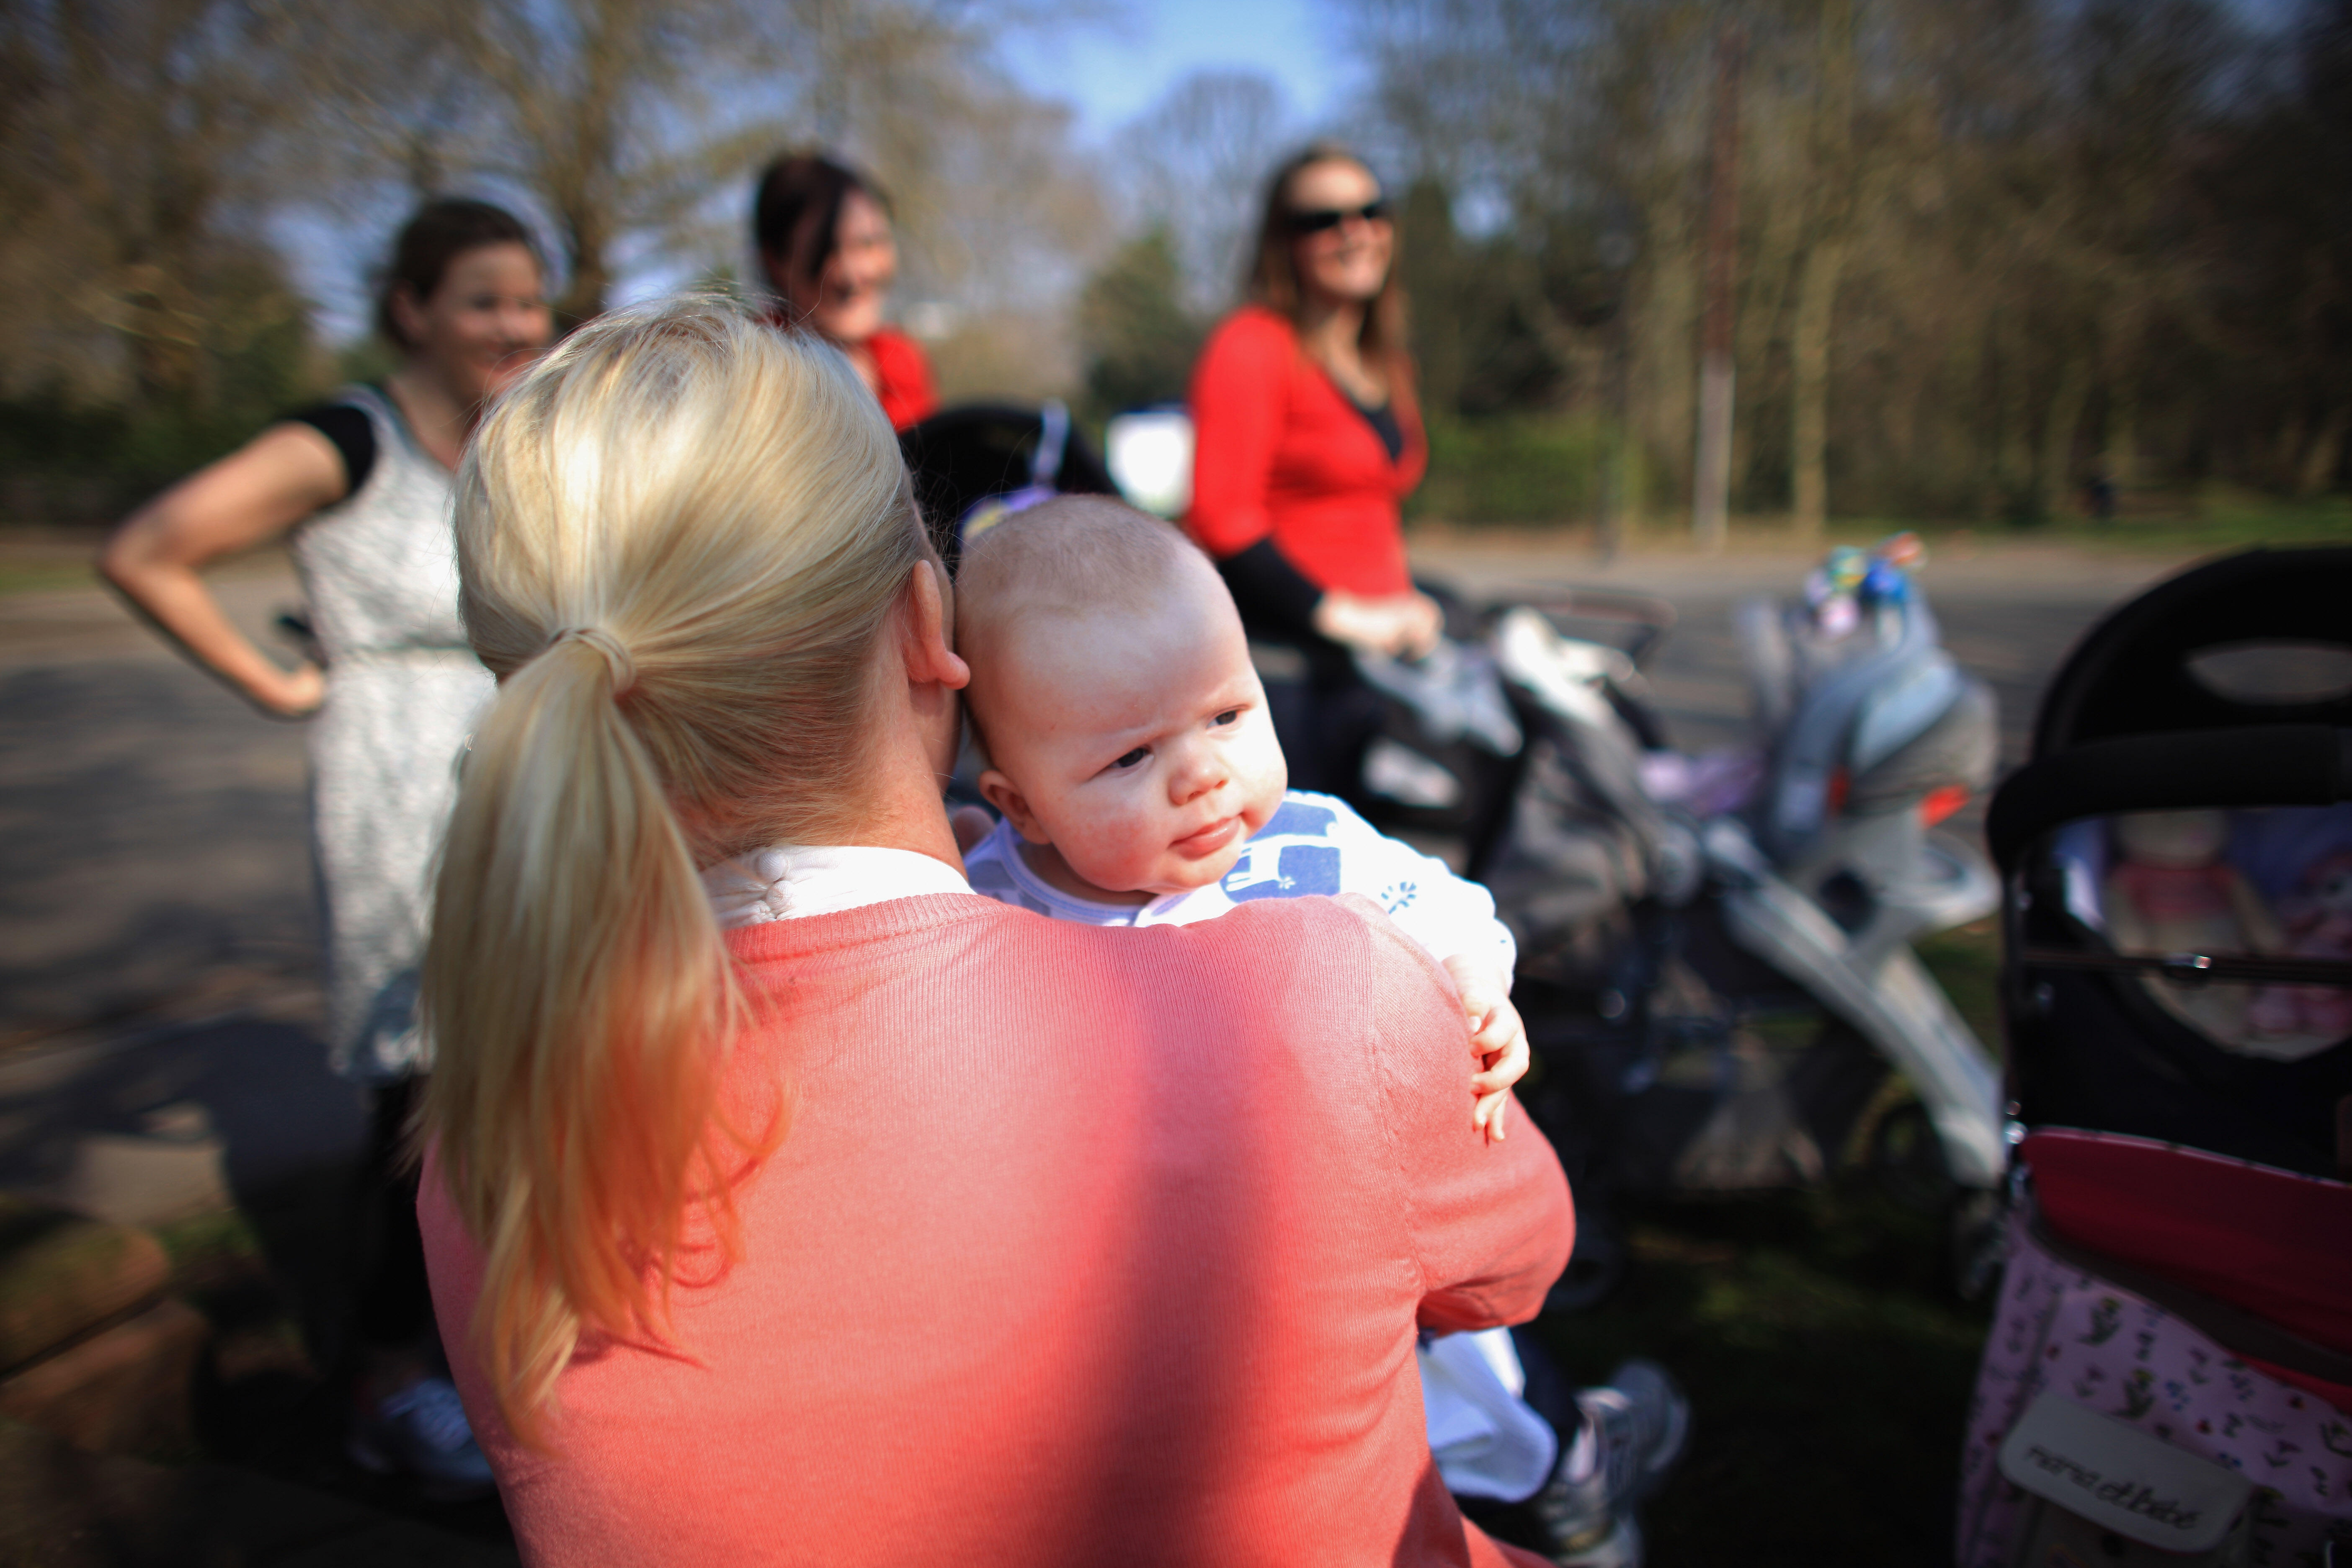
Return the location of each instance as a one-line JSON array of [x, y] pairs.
[[1306, 442], [362, 484], [823, 238]]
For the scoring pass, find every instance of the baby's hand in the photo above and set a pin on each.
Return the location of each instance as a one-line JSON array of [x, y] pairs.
[[1497, 1039]]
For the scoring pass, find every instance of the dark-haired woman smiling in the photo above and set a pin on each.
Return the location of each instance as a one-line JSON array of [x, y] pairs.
[[825, 241], [1307, 440]]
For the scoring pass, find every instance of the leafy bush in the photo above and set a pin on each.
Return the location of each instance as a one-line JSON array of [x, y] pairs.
[[1520, 468]]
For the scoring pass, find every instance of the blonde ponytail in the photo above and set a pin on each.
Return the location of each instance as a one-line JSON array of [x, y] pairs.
[[680, 538]]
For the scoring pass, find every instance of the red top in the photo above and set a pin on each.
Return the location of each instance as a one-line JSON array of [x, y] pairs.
[[908, 392], [1086, 1246], [1279, 450]]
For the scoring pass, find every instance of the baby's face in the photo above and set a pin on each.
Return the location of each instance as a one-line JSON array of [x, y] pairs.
[[1138, 746]]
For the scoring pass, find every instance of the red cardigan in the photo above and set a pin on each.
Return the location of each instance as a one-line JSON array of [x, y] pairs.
[[908, 393], [1279, 452], [1085, 1245]]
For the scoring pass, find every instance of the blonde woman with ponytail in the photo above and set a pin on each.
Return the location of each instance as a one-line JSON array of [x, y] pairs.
[[786, 1201]]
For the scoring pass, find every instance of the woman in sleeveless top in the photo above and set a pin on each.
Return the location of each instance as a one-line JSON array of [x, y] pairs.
[[362, 484], [1306, 442]]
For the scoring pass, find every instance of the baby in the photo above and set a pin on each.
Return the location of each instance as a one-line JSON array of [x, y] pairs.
[[1136, 766], [1132, 757]]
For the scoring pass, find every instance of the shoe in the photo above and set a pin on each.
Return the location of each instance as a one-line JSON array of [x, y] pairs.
[[422, 1432], [1633, 1428], [1659, 1414], [1621, 1548]]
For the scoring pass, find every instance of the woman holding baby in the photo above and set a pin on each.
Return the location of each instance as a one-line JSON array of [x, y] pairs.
[[855, 1217], [1306, 442]]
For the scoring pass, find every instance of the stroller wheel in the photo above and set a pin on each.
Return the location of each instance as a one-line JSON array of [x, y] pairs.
[[1596, 1268], [1976, 1234], [1908, 1158]]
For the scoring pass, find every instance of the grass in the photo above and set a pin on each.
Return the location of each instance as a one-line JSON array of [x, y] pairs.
[[1828, 1371], [1965, 960], [1828, 1361], [43, 576]]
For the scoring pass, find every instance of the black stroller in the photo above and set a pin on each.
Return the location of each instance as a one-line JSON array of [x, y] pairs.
[[2168, 1377], [977, 454], [1715, 960], [1714, 952]]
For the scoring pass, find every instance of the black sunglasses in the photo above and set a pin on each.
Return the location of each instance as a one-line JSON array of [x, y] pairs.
[[1315, 220]]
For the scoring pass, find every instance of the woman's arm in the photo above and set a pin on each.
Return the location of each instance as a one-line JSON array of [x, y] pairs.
[[1490, 1225], [249, 497], [1239, 401]]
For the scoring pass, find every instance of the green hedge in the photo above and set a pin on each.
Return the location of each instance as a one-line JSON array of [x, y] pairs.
[[1519, 469]]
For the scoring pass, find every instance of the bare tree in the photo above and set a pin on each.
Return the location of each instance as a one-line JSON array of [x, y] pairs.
[[132, 133], [1196, 165]]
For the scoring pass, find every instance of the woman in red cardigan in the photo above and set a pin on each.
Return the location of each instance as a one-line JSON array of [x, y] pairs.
[[823, 237], [1307, 441]]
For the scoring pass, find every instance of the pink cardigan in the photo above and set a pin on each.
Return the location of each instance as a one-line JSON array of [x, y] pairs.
[[1087, 1246]]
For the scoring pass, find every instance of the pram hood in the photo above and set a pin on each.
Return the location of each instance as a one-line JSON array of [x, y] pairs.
[[2155, 1025]]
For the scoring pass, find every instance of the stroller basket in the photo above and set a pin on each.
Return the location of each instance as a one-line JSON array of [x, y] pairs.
[[2156, 1292]]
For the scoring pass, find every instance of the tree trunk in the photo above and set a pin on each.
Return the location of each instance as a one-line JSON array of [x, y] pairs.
[[2322, 458], [1809, 407], [2055, 471], [2121, 458]]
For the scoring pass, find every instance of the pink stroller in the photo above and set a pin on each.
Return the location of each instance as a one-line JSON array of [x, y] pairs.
[[2169, 1378]]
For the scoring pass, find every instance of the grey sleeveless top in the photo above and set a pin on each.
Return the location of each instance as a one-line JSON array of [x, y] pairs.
[[403, 691]]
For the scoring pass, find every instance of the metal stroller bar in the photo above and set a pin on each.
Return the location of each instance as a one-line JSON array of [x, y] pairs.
[[2197, 968], [2270, 764]]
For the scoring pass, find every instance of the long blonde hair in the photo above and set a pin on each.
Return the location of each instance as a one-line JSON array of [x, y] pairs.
[[680, 538]]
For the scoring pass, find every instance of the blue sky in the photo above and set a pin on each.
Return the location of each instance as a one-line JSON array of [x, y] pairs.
[[1116, 70]]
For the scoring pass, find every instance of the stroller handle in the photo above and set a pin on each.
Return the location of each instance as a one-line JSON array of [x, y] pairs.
[[2276, 764]]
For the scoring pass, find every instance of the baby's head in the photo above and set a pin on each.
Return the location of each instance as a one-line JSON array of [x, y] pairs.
[[1111, 687]]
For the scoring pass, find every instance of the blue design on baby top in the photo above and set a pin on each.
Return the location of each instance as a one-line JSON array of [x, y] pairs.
[[1283, 871], [1297, 819]]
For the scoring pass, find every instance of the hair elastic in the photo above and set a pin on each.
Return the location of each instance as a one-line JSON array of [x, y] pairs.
[[624, 667]]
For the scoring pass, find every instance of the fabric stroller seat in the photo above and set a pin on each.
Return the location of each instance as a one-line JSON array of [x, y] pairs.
[[2195, 1300]]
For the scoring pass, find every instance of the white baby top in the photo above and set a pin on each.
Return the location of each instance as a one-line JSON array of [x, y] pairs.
[[1313, 844]]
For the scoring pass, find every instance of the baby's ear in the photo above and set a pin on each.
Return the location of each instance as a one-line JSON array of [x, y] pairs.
[[1000, 793]]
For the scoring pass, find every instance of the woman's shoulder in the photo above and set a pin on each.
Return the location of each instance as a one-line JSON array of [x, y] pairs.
[[350, 419], [1252, 348], [1255, 329], [892, 347], [904, 372]]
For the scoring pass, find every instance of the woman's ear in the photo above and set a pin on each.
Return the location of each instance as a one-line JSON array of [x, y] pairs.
[[408, 315], [1000, 793], [927, 634]]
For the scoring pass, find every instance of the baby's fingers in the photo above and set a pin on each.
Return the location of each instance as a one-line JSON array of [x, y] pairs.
[[1502, 1071], [1487, 1115]]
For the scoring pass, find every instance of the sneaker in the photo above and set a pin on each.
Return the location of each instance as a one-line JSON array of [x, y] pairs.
[[1633, 1428], [422, 1432], [1621, 1548]]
